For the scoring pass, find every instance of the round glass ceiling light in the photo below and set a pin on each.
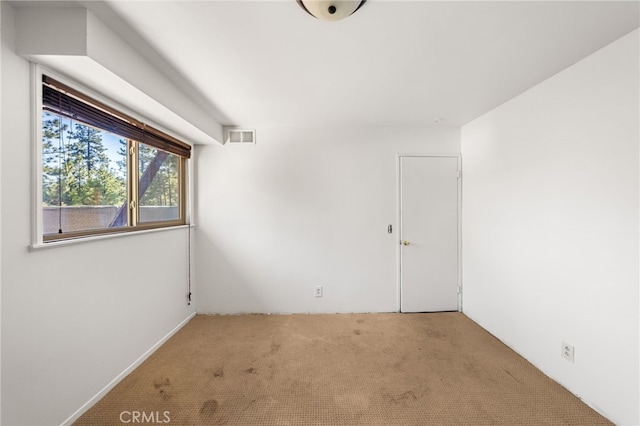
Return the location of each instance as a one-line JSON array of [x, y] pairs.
[[331, 10]]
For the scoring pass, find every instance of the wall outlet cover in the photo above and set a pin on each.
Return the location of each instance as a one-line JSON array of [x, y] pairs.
[[567, 351]]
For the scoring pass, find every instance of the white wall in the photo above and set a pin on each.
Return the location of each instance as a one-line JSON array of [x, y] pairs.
[[73, 317], [550, 226], [304, 207]]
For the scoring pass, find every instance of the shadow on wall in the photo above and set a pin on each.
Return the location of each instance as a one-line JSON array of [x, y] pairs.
[[233, 293]]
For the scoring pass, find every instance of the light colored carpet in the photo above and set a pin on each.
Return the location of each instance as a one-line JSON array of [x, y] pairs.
[[347, 369]]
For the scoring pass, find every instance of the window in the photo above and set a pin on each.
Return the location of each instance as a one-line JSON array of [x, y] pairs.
[[103, 171]]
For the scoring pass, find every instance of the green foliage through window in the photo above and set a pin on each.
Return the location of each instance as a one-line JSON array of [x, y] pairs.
[[78, 167]]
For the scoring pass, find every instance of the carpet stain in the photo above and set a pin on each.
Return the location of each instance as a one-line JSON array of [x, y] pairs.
[[275, 347], [251, 371], [403, 399], [360, 321], [163, 387], [357, 332], [435, 334], [218, 373], [209, 408], [158, 383]]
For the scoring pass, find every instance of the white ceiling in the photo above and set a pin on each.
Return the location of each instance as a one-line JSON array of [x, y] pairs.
[[392, 63]]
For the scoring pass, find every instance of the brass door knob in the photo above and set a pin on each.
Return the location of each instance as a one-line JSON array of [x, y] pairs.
[[405, 243]]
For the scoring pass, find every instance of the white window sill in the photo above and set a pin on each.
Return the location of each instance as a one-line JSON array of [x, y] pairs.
[[74, 241]]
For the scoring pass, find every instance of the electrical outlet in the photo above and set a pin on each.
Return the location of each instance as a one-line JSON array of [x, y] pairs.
[[567, 351], [318, 291]]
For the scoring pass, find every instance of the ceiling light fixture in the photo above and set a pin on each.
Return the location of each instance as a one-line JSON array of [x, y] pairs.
[[330, 10]]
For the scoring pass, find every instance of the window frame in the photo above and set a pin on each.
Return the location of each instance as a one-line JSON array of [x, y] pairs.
[[39, 239]]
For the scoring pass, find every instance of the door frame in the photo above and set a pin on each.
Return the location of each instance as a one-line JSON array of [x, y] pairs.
[[398, 240]]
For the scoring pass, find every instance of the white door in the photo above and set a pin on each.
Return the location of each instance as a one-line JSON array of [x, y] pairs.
[[428, 234]]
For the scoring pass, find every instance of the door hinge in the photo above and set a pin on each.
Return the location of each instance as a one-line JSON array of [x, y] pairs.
[[459, 173]]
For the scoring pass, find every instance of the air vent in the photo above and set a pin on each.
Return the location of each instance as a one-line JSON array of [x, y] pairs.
[[241, 136]]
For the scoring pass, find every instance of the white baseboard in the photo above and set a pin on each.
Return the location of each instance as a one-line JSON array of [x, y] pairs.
[[75, 416]]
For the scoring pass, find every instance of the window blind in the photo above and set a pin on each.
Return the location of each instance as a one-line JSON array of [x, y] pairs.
[[63, 100]]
